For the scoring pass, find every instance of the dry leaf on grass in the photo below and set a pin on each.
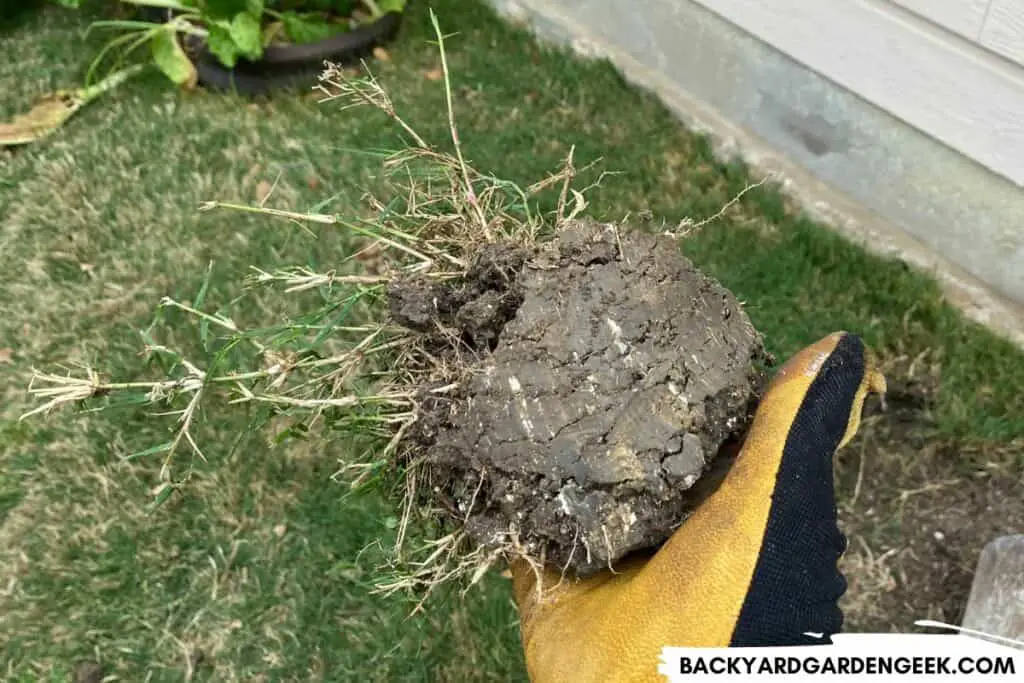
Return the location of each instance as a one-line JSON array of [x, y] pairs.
[[54, 109], [372, 258], [434, 74], [6, 356], [47, 116], [263, 189]]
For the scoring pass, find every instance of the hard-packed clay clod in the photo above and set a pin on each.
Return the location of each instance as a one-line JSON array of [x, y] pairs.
[[620, 374]]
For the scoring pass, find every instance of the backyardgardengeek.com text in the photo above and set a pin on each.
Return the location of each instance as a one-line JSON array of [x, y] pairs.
[[846, 665]]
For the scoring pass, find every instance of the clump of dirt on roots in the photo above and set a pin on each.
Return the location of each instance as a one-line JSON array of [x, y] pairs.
[[606, 372]]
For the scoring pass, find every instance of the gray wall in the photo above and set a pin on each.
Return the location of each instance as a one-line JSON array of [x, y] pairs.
[[876, 179]]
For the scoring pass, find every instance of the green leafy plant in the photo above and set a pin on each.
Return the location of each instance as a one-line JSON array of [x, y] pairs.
[[230, 29]]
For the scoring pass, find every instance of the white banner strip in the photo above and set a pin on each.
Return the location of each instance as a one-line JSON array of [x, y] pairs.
[[853, 657]]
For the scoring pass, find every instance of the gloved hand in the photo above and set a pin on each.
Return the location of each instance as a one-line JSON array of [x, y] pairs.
[[754, 565]]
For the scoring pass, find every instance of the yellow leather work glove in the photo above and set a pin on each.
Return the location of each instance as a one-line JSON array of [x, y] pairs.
[[754, 565]]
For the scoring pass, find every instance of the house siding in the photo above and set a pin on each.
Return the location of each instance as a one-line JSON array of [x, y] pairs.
[[952, 89], [1003, 31], [899, 131], [965, 17]]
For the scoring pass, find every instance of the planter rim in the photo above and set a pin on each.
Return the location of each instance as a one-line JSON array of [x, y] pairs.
[[362, 38], [284, 64]]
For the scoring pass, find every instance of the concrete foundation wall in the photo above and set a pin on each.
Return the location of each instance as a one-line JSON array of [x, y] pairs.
[[879, 180]]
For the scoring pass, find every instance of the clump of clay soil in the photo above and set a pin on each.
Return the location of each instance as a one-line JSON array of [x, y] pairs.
[[599, 374]]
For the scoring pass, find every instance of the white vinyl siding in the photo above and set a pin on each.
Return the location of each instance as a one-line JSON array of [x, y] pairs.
[[960, 16], [1004, 29], [952, 89]]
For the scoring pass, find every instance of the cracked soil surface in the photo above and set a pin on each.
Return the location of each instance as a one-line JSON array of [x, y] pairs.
[[609, 372]]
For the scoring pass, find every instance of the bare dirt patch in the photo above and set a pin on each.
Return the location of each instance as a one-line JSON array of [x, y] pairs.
[[918, 509], [611, 373]]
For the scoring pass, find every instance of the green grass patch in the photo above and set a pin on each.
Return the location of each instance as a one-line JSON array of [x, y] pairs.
[[265, 564]]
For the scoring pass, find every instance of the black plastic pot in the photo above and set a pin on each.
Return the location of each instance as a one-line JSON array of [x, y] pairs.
[[285, 66]]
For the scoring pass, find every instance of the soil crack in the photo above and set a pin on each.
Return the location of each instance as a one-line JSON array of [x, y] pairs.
[[598, 392]]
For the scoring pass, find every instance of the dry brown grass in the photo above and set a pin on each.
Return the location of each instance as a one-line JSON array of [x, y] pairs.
[[434, 213]]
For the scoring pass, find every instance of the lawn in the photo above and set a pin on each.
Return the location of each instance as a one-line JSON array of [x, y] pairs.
[[262, 570]]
